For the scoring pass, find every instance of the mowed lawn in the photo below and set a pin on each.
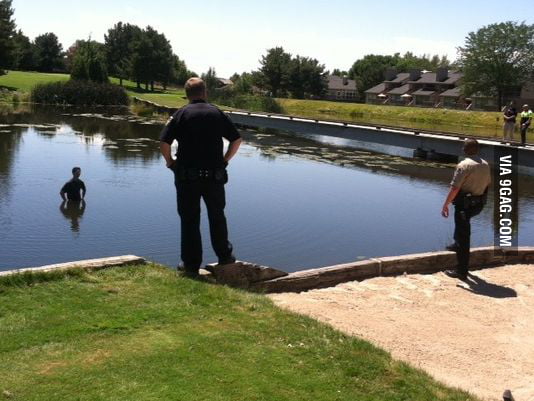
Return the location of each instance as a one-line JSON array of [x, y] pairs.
[[24, 81], [142, 333]]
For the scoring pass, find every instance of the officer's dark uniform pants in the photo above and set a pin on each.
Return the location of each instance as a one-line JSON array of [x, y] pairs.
[[462, 233], [524, 130], [188, 196]]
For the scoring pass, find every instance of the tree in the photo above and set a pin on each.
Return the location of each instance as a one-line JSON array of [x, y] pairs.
[[152, 59], [498, 58], [48, 53], [119, 49], [23, 52], [244, 83], [7, 31], [89, 62], [274, 70], [369, 70], [180, 71], [210, 80], [306, 77]]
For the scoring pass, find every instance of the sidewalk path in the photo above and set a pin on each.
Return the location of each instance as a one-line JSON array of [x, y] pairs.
[[478, 335]]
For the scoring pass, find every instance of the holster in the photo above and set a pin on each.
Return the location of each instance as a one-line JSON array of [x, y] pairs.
[[467, 201]]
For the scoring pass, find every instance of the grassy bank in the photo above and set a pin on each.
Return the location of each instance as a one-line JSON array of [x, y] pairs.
[[142, 333], [488, 124]]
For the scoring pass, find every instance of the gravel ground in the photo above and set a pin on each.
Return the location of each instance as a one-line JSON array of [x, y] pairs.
[[477, 335]]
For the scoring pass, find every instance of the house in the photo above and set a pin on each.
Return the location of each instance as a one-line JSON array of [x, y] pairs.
[[341, 88], [417, 88], [223, 83], [442, 88]]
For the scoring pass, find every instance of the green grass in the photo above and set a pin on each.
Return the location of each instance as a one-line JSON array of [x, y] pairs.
[[24, 81], [141, 333], [478, 123]]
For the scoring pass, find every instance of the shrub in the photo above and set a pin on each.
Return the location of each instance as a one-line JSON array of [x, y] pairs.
[[235, 100], [79, 93]]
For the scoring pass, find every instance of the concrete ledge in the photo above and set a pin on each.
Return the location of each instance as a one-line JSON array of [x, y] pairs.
[[89, 264], [430, 262]]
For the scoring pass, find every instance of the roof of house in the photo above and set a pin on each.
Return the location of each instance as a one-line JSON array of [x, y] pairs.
[[422, 92], [225, 81], [377, 89], [403, 76], [430, 78], [336, 83], [454, 92], [401, 90]]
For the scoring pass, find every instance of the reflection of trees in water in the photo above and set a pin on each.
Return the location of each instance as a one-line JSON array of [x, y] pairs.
[[9, 146]]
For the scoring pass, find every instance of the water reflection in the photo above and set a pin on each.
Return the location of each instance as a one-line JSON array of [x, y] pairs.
[[73, 211], [294, 202]]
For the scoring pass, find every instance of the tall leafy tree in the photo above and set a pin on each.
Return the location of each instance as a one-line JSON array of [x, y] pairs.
[[23, 52], [274, 70], [306, 77], [369, 70], [180, 71], [498, 58], [152, 58], [210, 80], [48, 53], [7, 31], [89, 62], [119, 43]]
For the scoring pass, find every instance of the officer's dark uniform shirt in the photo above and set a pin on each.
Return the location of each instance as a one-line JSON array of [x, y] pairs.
[[199, 128], [72, 189]]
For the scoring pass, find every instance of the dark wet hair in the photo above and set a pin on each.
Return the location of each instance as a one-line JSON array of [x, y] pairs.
[[74, 169], [471, 147]]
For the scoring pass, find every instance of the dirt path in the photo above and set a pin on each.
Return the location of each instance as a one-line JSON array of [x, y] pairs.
[[479, 337]]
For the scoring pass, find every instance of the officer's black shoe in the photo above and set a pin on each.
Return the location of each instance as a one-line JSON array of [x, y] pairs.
[[456, 274], [187, 271], [507, 396], [228, 260], [452, 247]]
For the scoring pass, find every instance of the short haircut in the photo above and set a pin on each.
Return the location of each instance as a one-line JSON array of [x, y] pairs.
[[195, 87], [75, 169], [471, 147]]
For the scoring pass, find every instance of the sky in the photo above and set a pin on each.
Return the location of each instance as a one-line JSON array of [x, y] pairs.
[[232, 35]]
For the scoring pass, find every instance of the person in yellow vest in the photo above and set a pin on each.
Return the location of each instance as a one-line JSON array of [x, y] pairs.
[[524, 123]]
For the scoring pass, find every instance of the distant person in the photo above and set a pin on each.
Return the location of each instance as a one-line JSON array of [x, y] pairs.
[[524, 123], [509, 116], [200, 172], [74, 188], [468, 193]]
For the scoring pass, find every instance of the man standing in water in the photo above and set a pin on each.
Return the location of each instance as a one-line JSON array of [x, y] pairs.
[[468, 193], [200, 172], [73, 187]]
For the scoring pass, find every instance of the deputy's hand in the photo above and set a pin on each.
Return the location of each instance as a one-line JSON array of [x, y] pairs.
[[170, 163], [445, 211]]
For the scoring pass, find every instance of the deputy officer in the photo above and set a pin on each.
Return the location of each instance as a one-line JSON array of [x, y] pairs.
[[526, 118], [200, 172], [468, 193]]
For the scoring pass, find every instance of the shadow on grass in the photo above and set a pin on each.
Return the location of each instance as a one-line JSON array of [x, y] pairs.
[[9, 88]]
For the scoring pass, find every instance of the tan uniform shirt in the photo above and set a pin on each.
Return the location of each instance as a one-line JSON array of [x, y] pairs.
[[472, 175]]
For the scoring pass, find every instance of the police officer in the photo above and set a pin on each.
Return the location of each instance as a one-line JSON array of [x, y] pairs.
[[468, 193], [200, 172], [526, 118]]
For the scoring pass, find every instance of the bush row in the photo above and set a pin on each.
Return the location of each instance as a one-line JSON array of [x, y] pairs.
[[79, 93], [246, 102]]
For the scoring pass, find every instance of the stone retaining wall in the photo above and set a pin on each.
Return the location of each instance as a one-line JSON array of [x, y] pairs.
[[431, 262]]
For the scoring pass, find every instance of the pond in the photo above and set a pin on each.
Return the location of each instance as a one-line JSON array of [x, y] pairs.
[[292, 202]]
